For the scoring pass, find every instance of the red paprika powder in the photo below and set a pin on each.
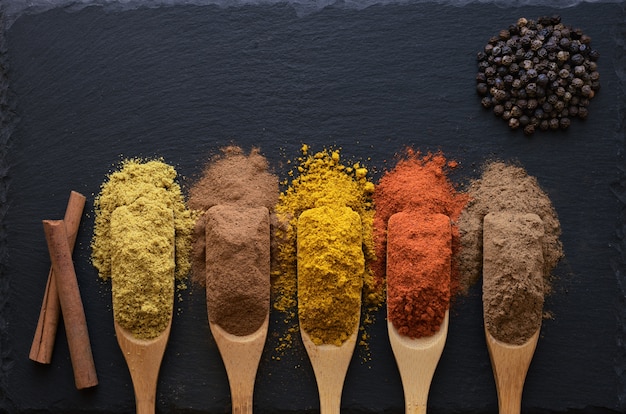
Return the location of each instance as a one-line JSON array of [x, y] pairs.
[[418, 272], [419, 185]]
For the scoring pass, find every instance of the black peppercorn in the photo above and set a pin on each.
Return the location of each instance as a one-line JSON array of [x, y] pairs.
[[554, 123], [586, 91], [482, 89], [559, 106], [524, 120], [578, 59], [513, 123], [578, 83], [547, 107], [529, 129]]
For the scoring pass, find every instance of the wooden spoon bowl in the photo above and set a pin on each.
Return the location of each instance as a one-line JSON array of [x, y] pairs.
[[510, 365], [241, 356], [143, 357], [330, 365], [417, 361]]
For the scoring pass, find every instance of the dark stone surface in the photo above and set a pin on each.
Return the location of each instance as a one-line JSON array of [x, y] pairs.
[[92, 87]]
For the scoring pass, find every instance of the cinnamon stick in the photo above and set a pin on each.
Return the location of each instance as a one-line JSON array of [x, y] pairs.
[[45, 333], [71, 304]]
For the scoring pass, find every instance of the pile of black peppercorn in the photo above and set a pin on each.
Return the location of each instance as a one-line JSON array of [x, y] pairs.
[[538, 74]]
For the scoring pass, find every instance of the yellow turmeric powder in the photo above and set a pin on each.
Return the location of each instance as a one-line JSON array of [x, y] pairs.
[[148, 187], [142, 267], [330, 273], [320, 179]]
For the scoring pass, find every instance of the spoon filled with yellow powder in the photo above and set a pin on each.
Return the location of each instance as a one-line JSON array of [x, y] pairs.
[[330, 279], [141, 242]]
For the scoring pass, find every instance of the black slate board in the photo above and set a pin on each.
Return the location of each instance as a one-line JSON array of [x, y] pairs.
[[94, 86]]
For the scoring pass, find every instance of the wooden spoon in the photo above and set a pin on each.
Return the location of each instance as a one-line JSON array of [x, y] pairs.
[[330, 365], [241, 356], [417, 358], [322, 233], [238, 278], [510, 364], [143, 356], [512, 266]]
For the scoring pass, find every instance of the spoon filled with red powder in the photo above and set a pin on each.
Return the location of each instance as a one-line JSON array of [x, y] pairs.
[[418, 294], [416, 239]]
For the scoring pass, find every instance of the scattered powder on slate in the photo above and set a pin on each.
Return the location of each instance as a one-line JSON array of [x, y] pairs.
[[321, 179], [330, 273], [418, 185], [145, 192], [505, 187], [230, 178], [238, 267], [513, 266], [419, 252]]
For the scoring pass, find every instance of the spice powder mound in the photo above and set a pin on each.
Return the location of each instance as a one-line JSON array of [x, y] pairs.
[[230, 178], [238, 267], [142, 260], [321, 179], [506, 187], [418, 185], [232, 246], [513, 292], [330, 273], [418, 272], [135, 186]]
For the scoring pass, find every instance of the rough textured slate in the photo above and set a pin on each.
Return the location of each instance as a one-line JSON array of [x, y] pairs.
[[93, 86]]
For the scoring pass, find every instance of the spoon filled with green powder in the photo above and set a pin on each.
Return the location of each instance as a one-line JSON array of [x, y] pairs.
[[142, 238], [330, 279], [142, 275]]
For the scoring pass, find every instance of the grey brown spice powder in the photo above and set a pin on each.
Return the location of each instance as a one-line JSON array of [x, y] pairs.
[[505, 187], [513, 264]]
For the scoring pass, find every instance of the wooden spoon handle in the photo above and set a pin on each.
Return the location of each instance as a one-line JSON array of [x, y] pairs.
[[510, 365], [330, 373]]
